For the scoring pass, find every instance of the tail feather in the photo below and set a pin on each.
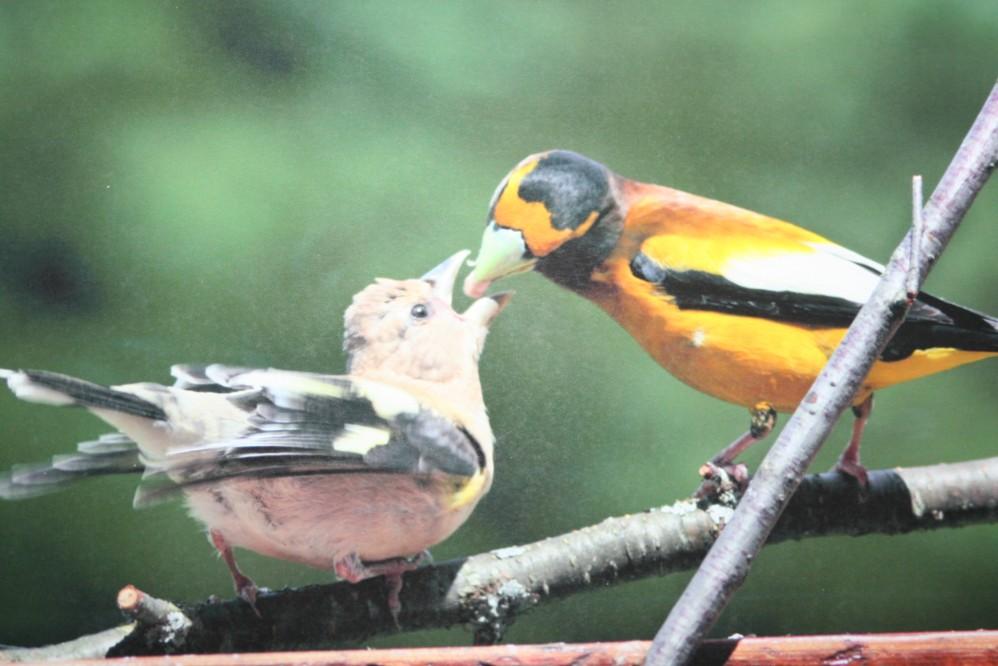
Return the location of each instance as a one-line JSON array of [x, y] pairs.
[[111, 454], [934, 323], [52, 388], [27, 481], [961, 317], [113, 442]]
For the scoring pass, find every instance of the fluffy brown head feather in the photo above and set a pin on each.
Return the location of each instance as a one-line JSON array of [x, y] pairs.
[[405, 328]]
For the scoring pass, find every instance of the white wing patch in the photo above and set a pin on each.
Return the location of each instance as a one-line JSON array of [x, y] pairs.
[[830, 270], [360, 439], [847, 254]]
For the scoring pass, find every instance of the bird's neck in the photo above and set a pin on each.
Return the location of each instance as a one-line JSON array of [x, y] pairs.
[[572, 264]]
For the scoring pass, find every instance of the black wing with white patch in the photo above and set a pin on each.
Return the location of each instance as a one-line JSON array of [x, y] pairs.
[[931, 322], [303, 424]]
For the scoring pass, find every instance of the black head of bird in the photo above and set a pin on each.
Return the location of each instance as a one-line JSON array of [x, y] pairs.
[[557, 213]]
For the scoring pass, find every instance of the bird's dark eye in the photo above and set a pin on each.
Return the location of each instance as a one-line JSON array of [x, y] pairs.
[[419, 311]]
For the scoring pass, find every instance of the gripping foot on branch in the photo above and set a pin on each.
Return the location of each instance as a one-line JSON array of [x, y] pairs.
[[849, 460], [721, 473], [246, 589], [352, 569]]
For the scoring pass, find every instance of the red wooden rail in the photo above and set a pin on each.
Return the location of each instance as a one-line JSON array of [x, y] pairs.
[[935, 648]]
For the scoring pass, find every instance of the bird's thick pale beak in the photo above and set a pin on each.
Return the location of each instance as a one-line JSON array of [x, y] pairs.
[[485, 310], [502, 253], [444, 275]]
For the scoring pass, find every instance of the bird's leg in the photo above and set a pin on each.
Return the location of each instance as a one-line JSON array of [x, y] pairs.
[[722, 465], [245, 588], [849, 460], [352, 569]]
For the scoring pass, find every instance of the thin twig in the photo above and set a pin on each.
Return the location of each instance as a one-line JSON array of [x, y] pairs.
[[489, 591], [917, 231], [726, 566], [161, 620]]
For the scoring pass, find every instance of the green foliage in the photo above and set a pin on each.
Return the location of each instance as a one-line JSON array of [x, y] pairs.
[[187, 181]]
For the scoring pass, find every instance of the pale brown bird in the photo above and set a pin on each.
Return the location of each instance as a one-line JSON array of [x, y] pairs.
[[357, 473]]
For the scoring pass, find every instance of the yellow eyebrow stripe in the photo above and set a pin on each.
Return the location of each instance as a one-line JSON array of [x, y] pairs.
[[532, 218]]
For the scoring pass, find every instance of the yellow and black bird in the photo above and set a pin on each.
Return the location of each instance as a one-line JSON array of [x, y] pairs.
[[738, 305]]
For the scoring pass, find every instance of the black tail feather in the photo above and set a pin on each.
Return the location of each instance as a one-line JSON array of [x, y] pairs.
[[88, 394], [933, 322]]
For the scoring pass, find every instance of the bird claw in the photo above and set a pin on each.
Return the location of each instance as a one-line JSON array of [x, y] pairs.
[[247, 590], [722, 481], [854, 469], [393, 585], [849, 460], [353, 570]]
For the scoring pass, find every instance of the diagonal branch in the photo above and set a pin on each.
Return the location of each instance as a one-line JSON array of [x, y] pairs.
[[726, 567], [489, 591]]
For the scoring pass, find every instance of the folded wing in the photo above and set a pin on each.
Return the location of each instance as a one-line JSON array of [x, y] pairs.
[[302, 423], [807, 282]]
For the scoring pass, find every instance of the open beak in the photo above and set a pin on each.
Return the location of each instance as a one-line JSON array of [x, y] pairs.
[[443, 276], [502, 253], [485, 310]]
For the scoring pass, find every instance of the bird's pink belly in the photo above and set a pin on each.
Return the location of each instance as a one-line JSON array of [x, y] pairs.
[[316, 520]]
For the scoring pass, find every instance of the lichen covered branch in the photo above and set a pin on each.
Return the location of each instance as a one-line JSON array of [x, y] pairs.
[[488, 591]]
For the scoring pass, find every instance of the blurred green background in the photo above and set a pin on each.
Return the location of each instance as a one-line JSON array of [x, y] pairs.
[[212, 181]]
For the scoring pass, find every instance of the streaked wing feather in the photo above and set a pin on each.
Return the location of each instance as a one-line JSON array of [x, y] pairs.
[[192, 377], [305, 424]]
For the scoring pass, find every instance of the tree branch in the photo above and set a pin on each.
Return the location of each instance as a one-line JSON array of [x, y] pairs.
[[726, 567], [490, 590], [91, 646]]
